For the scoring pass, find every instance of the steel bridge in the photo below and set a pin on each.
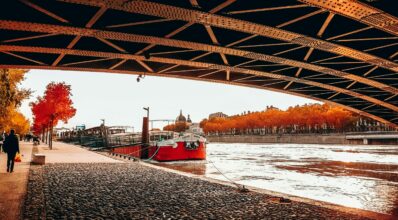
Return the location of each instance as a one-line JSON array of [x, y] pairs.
[[343, 52]]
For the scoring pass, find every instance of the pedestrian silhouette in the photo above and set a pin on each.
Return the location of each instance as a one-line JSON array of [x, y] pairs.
[[11, 147]]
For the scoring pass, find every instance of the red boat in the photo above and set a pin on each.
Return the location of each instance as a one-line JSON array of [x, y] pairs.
[[168, 146], [172, 146]]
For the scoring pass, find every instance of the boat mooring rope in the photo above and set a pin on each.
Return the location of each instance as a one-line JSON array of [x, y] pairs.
[[154, 154], [241, 188]]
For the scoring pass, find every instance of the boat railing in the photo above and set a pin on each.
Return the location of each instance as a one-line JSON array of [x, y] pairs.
[[123, 140]]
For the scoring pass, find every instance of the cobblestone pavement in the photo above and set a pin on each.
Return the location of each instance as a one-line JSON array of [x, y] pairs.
[[135, 191]]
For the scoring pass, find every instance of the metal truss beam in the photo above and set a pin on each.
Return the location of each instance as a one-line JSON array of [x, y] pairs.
[[349, 33], [28, 38], [193, 16], [44, 11], [359, 11], [216, 67], [377, 118], [89, 24], [109, 35], [138, 23], [300, 18], [267, 9]]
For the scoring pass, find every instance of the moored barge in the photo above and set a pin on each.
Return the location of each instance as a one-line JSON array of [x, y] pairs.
[[167, 146]]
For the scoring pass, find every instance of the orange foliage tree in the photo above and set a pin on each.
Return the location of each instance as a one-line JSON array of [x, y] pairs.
[[17, 121], [177, 127], [298, 119], [11, 97], [56, 105]]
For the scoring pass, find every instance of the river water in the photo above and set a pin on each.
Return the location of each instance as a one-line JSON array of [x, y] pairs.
[[364, 177]]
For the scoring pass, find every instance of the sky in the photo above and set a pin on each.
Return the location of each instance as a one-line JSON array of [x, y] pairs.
[[119, 99]]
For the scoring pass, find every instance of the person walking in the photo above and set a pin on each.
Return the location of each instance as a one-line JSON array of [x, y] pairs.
[[11, 147]]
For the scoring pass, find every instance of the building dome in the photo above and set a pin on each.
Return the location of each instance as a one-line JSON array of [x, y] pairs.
[[189, 120], [181, 118]]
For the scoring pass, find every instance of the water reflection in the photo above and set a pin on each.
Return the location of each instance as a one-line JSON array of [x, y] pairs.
[[198, 168], [356, 176]]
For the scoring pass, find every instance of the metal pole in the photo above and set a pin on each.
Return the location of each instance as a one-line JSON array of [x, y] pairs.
[[104, 133], [145, 135], [147, 116]]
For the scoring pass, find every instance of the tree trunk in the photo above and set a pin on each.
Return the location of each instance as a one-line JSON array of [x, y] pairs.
[[48, 134], [50, 140], [45, 135], [42, 134]]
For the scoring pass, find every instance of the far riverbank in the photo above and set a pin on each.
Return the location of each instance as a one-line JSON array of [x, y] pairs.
[[335, 138]]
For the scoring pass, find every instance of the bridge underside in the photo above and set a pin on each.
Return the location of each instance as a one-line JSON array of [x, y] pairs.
[[341, 52]]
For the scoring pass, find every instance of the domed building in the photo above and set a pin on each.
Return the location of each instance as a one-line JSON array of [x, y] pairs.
[[191, 127], [181, 118], [189, 121]]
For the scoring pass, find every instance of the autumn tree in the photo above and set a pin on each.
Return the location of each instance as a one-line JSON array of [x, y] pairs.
[[16, 121], [177, 127], [297, 119], [56, 105], [11, 97]]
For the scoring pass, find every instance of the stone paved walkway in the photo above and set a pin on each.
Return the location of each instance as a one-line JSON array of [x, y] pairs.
[[67, 153], [13, 185], [136, 191]]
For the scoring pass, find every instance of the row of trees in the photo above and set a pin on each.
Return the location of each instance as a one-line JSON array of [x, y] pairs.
[[11, 97], [54, 106], [177, 127], [298, 119]]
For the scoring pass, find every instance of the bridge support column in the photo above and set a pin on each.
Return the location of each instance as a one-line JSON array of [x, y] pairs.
[[365, 141]]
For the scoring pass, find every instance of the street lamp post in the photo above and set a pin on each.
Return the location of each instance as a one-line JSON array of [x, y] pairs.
[[147, 112]]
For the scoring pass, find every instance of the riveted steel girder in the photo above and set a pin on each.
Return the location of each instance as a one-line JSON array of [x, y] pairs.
[[56, 29], [196, 65], [176, 13], [189, 46], [202, 79], [360, 12]]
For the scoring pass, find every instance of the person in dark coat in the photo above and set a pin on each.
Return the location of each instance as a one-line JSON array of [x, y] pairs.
[[11, 147]]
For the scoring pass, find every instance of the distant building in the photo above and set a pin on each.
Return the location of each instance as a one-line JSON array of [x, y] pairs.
[[195, 128], [218, 115], [181, 118], [189, 121], [80, 127], [59, 131]]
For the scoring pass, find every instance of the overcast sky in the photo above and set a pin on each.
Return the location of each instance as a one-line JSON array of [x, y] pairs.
[[119, 99]]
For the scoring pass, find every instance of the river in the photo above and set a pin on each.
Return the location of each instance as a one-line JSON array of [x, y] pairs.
[[364, 177]]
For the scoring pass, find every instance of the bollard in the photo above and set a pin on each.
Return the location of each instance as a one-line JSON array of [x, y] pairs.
[[39, 159]]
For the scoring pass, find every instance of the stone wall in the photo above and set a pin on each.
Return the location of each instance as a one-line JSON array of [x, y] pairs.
[[296, 139]]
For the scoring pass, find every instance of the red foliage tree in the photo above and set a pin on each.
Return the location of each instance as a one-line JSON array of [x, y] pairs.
[[56, 105]]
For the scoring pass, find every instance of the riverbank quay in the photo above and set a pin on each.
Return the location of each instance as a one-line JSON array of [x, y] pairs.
[[138, 190], [273, 196], [363, 138], [68, 153], [13, 185]]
